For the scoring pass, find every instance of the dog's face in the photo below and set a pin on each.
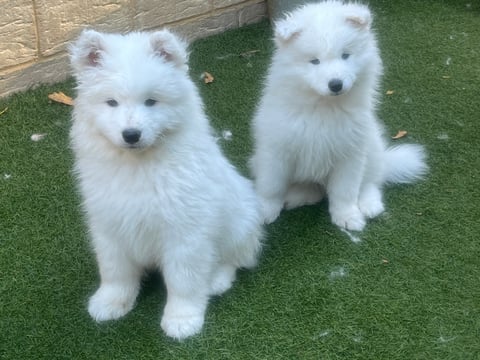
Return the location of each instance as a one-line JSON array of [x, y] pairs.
[[327, 48], [130, 88]]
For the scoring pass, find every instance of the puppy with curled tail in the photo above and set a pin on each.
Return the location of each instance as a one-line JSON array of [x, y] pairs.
[[315, 128]]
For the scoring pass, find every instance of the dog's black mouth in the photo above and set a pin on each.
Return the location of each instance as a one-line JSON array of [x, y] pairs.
[[134, 147]]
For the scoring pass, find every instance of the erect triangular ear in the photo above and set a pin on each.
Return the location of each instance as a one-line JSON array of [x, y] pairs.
[[87, 50], [286, 30], [360, 17], [169, 47]]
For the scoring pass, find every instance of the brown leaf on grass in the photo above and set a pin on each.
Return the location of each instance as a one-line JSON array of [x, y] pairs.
[[208, 78], [390, 92], [400, 134], [60, 97], [3, 111]]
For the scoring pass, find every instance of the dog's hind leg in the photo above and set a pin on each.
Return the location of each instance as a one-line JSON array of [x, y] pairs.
[[222, 279], [271, 183]]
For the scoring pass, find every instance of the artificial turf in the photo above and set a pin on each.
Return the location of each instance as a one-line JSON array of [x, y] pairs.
[[408, 290]]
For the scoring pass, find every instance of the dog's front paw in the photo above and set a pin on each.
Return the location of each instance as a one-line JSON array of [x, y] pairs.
[[370, 201], [111, 302], [372, 208], [180, 326], [349, 219], [271, 210]]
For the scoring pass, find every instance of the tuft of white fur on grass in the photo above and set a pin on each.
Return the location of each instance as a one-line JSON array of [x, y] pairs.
[[444, 340], [227, 135], [449, 61], [226, 56], [357, 338], [324, 333], [37, 137], [338, 272], [7, 176], [224, 135], [443, 136], [353, 238], [321, 335]]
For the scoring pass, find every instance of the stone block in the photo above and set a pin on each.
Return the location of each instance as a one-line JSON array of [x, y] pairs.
[[206, 26], [252, 13], [17, 33], [165, 12], [278, 8], [61, 21], [48, 71], [224, 3], [229, 19]]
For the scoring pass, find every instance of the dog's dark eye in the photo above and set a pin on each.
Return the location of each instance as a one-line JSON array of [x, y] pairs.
[[112, 103], [150, 102], [315, 61], [345, 56]]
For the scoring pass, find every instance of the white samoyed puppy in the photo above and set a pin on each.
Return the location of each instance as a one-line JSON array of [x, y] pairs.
[[157, 191], [315, 128]]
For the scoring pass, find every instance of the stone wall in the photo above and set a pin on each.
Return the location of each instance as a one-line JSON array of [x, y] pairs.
[[34, 33]]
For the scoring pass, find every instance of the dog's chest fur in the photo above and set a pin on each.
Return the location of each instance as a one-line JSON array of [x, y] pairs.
[[321, 139]]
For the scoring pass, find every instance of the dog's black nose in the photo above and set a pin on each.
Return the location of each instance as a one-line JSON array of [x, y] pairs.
[[335, 85], [131, 135]]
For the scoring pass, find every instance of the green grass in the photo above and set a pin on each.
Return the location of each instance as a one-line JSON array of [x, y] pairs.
[[410, 289]]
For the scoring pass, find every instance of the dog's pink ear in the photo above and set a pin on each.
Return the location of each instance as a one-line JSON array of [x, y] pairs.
[[360, 17], [286, 30], [87, 50], [169, 47]]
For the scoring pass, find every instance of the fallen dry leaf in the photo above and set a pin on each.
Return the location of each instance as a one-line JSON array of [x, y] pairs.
[[400, 134], [3, 111], [60, 97], [208, 78], [390, 92], [384, 261]]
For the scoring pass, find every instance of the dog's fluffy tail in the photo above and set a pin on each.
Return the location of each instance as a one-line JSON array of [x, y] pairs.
[[405, 164]]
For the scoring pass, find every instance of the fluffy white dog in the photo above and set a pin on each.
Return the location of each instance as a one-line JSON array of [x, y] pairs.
[[157, 190], [315, 128]]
